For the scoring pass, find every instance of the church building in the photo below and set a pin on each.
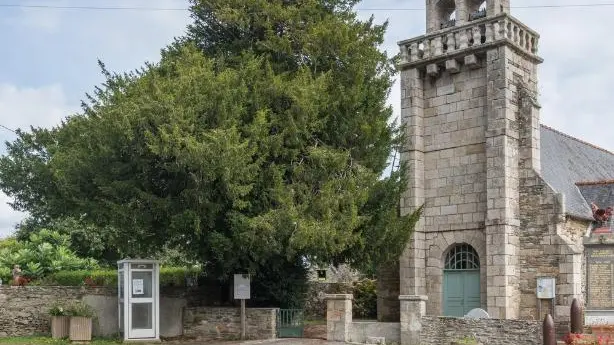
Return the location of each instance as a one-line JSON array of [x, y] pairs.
[[507, 200]]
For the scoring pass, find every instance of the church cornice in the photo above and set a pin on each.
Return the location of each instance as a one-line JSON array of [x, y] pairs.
[[472, 38]]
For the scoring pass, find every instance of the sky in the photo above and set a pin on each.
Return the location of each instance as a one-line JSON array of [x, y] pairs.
[[49, 59]]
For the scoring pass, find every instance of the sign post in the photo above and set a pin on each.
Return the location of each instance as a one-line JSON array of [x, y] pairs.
[[242, 292]]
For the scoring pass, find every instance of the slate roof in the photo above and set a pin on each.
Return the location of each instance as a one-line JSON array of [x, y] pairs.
[[601, 193], [566, 162]]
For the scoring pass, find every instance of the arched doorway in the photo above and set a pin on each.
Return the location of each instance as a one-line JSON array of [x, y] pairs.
[[461, 280]]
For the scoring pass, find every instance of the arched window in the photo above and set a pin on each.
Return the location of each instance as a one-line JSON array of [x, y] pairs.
[[452, 15], [462, 257], [446, 13], [477, 9]]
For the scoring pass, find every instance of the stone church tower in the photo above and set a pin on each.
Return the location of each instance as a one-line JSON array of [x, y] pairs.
[[468, 103]]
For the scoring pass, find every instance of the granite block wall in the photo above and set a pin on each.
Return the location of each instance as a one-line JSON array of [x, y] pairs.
[[443, 330], [225, 323], [24, 310]]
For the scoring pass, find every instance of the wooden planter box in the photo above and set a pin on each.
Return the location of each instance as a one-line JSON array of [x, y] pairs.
[[80, 329], [60, 327]]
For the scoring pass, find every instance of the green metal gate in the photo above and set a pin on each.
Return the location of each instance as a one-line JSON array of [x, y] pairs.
[[290, 323]]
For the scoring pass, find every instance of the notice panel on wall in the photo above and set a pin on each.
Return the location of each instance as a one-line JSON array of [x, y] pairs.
[[137, 287], [600, 277], [242, 286], [546, 287]]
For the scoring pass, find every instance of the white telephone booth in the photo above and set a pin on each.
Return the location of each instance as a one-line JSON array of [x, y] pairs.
[[139, 299]]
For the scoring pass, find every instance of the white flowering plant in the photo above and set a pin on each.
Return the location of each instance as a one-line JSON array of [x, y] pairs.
[[58, 310]]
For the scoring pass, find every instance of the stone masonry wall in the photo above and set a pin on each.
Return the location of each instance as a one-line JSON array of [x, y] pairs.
[[575, 230], [454, 159], [24, 310], [550, 244], [442, 330], [217, 323], [448, 113]]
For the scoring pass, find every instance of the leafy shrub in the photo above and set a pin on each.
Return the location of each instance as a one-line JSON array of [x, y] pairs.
[[58, 310], [365, 299], [176, 276], [169, 276], [5, 275], [80, 309], [45, 253], [78, 278], [104, 277], [68, 278]]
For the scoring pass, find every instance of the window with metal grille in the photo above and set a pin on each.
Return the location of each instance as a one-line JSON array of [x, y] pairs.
[[462, 257]]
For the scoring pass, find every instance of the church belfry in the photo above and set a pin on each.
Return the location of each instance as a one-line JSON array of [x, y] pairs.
[[471, 133], [439, 12]]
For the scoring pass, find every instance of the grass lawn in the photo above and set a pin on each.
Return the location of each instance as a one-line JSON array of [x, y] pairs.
[[50, 341]]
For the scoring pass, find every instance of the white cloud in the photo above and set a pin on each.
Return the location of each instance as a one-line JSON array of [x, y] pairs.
[[8, 217], [42, 107], [20, 108]]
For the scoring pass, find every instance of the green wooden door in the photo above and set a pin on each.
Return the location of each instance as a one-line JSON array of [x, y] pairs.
[[461, 280], [461, 291]]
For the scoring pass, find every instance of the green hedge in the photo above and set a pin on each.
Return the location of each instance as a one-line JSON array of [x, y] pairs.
[[169, 276]]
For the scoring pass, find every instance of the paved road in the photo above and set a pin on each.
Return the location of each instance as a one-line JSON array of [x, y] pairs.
[[265, 342], [292, 342]]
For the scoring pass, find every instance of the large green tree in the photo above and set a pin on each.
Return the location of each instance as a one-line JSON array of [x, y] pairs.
[[258, 142]]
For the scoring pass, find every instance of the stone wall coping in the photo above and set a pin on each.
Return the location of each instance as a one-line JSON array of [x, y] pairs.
[[339, 297], [413, 298]]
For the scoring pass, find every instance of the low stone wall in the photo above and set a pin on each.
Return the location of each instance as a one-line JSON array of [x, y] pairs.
[[417, 328], [225, 323], [443, 330], [24, 310], [361, 331]]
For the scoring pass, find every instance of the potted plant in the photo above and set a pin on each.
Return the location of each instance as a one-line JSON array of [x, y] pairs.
[[81, 316], [60, 321]]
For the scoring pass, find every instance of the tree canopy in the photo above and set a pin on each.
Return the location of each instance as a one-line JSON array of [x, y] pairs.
[[256, 143]]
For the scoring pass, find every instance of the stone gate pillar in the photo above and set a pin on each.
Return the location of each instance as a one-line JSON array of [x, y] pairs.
[[338, 317], [413, 308]]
